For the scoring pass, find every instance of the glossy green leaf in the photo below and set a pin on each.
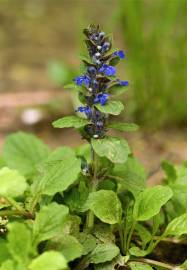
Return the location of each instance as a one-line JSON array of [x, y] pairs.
[[149, 202], [10, 180], [50, 260], [105, 205], [132, 175], [49, 222], [140, 266], [177, 226], [112, 107], [115, 149], [24, 152], [70, 121], [126, 127], [103, 253], [59, 175], [19, 242]]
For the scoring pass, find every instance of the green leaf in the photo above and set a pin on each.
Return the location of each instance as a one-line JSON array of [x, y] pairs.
[[61, 153], [177, 226], [112, 107], [132, 174], [104, 233], [4, 252], [76, 197], [49, 222], [139, 266], [8, 265], [103, 253], [24, 152], [149, 202], [50, 260], [114, 61], [105, 205], [127, 127], [136, 251], [88, 242], [170, 171], [19, 242], [115, 149], [70, 121], [184, 265], [60, 174], [117, 261], [10, 180], [144, 234], [71, 248]]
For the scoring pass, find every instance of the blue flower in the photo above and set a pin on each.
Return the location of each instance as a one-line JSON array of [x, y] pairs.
[[108, 70], [101, 98], [123, 83], [120, 54], [87, 110], [79, 80]]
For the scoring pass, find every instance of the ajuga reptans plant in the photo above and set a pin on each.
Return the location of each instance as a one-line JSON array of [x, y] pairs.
[[89, 207]]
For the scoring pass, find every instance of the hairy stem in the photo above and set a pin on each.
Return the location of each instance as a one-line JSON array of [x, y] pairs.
[[93, 187], [161, 264], [14, 204], [25, 214]]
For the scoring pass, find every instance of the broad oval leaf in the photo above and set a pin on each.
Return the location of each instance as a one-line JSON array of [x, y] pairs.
[[19, 242], [131, 176], [88, 241], [115, 149], [177, 226], [50, 260], [140, 266], [70, 121], [70, 248], [59, 174], [103, 253], [105, 205], [112, 107], [149, 202], [126, 127], [24, 152], [12, 184], [49, 222]]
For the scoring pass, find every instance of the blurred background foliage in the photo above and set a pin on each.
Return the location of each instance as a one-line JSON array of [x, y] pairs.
[[41, 40]]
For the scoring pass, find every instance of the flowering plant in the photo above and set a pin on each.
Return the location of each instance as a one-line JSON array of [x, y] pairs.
[[89, 207]]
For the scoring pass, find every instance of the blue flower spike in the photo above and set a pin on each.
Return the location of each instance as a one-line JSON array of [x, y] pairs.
[[99, 75]]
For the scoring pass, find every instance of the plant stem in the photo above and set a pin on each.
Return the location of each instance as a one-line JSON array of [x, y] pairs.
[[130, 234], [17, 213], [152, 262], [92, 188], [15, 204]]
